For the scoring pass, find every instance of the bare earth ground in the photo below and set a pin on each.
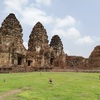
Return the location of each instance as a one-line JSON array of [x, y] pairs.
[[9, 93]]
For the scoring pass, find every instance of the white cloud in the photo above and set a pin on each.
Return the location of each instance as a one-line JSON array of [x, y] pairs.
[[85, 40], [15, 5], [59, 32], [71, 33], [65, 27], [67, 21], [29, 13], [32, 15], [45, 2]]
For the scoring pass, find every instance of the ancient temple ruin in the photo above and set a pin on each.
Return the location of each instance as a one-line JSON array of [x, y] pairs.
[[40, 56], [12, 51], [57, 55]]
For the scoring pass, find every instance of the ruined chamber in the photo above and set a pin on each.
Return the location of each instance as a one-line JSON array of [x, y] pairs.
[[12, 51]]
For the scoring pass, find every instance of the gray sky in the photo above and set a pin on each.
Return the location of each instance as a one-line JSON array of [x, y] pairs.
[[77, 22]]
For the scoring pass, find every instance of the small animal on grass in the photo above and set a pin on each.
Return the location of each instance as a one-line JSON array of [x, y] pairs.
[[50, 81]]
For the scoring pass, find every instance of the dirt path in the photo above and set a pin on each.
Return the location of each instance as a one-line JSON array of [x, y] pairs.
[[9, 93]]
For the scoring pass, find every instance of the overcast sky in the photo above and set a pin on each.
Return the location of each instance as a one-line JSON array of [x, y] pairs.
[[77, 22]]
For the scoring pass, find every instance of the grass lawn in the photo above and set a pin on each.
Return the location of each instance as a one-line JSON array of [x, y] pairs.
[[35, 86]]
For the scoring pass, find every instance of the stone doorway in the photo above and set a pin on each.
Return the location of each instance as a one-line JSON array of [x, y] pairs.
[[29, 62], [19, 60], [51, 61]]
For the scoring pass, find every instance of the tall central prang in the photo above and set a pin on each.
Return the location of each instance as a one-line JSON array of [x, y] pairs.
[[38, 47]]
